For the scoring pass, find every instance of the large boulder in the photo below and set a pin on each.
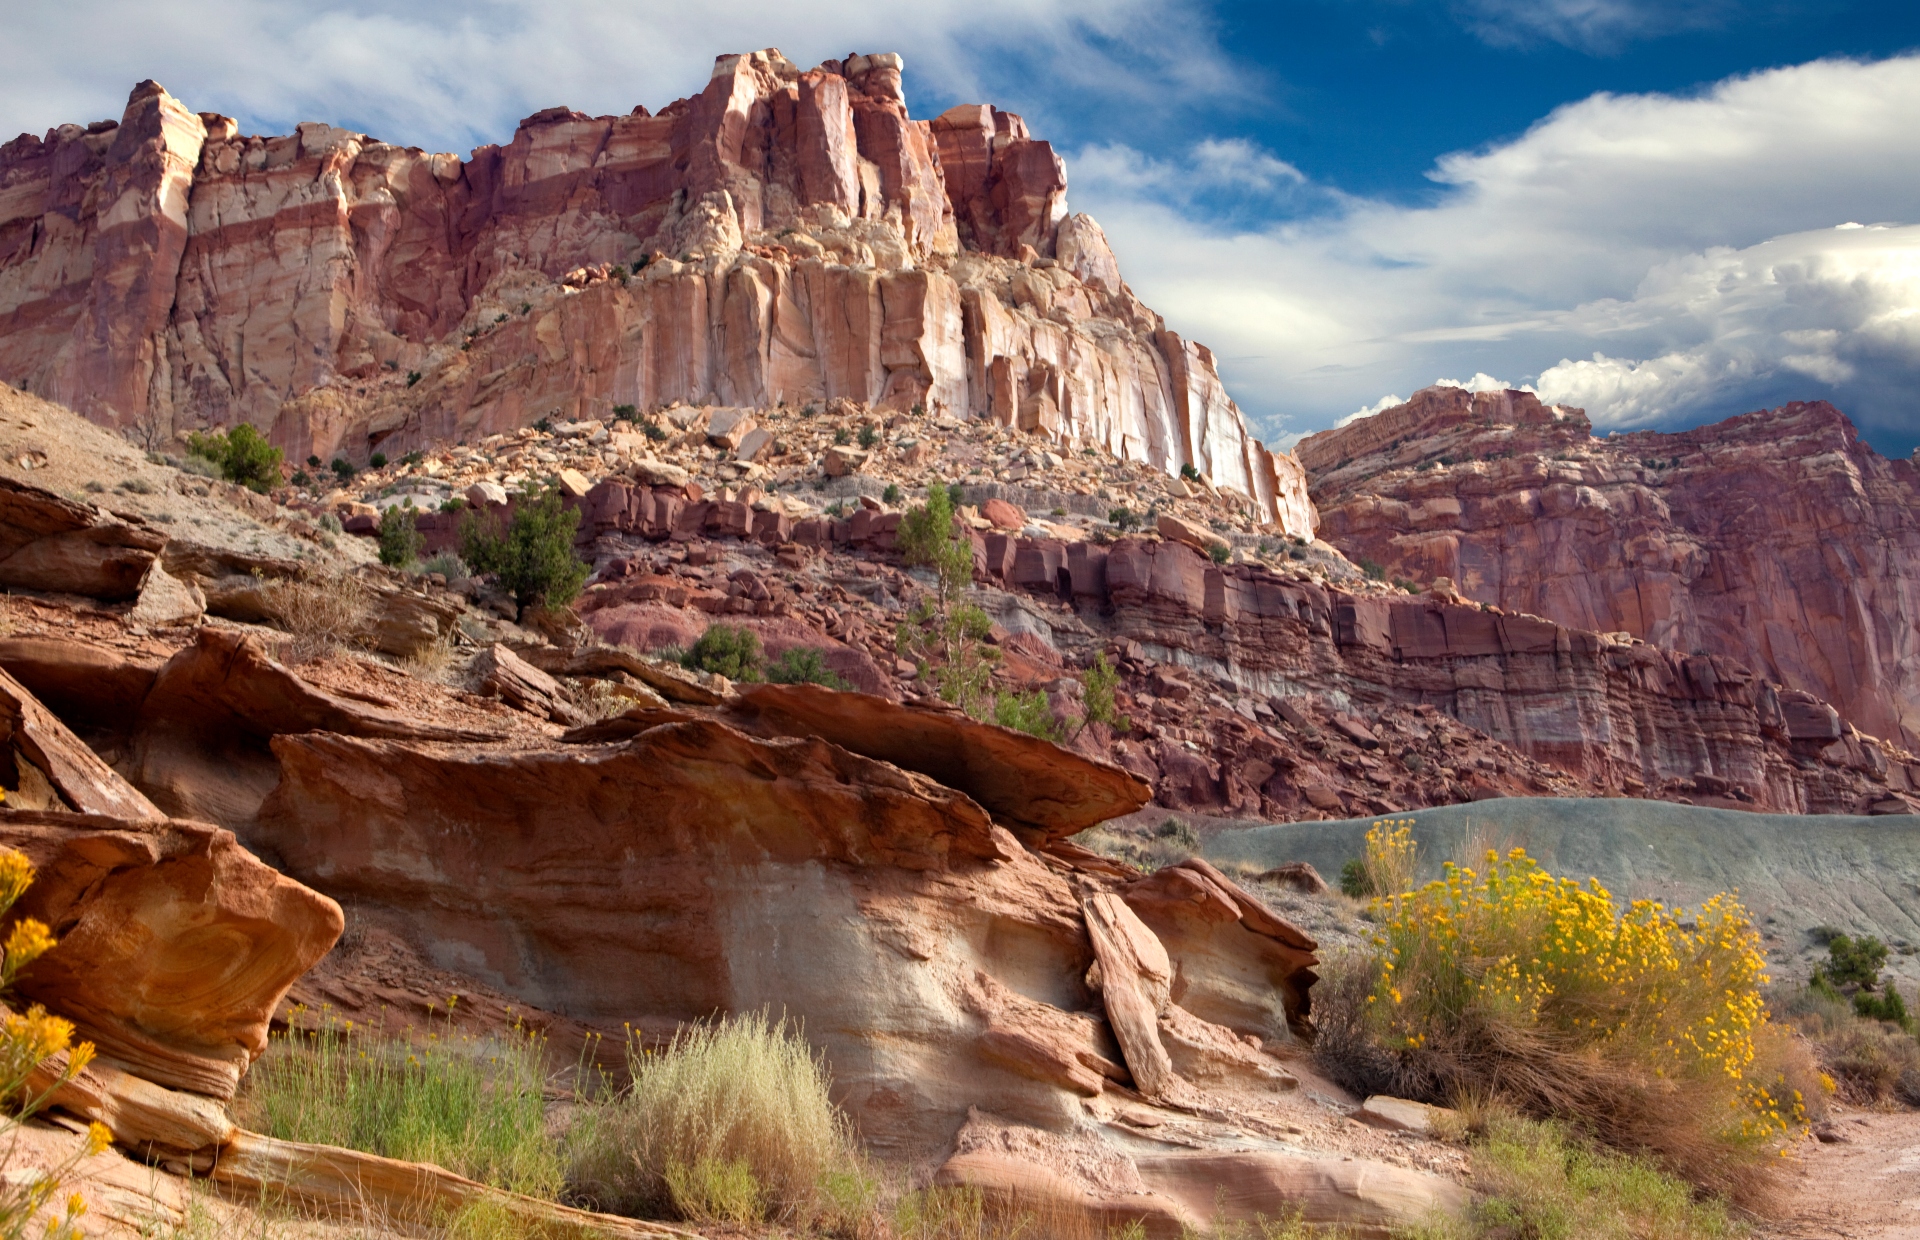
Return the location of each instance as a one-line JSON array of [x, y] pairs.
[[175, 943], [49, 542], [200, 737], [1024, 780]]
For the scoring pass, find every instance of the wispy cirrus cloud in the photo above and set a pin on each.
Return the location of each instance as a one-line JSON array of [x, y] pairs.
[[425, 73]]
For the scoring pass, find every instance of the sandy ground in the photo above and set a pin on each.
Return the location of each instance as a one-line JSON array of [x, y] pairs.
[[1866, 1187]]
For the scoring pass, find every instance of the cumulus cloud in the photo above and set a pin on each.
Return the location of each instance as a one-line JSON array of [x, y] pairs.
[[425, 73], [1689, 241]]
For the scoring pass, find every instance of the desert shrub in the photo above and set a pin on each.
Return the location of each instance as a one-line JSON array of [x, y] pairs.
[[1862, 1060], [321, 614], [1372, 568], [1027, 712], [29, 1040], [342, 468], [1123, 518], [377, 461], [534, 559], [1538, 1180], [1387, 864], [1887, 1006], [893, 494], [1098, 687], [400, 537], [868, 437], [729, 1123], [1641, 1026], [1219, 554], [199, 466], [471, 1104], [842, 436], [1854, 962], [805, 665], [447, 564], [1188, 472], [727, 650], [241, 455]]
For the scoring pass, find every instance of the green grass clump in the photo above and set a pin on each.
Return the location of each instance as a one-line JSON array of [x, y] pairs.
[[1540, 1183], [729, 1123], [471, 1104]]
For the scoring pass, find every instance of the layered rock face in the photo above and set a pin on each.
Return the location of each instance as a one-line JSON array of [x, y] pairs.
[[804, 240], [1775, 539]]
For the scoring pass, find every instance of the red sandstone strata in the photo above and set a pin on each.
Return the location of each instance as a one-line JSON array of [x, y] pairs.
[[1776, 539], [804, 239]]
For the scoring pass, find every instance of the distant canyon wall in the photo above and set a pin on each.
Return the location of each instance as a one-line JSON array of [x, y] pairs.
[[1776, 539], [803, 240]]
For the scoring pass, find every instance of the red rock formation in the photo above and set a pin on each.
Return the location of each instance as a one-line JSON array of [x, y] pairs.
[[809, 241], [1266, 694], [176, 944], [1776, 539]]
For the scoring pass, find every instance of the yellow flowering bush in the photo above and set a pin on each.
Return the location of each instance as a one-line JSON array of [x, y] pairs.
[[1642, 1024], [27, 1040]]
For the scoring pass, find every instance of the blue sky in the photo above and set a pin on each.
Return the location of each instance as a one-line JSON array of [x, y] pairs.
[[1665, 212]]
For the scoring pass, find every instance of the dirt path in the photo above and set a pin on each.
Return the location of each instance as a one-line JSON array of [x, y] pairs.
[[1864, 1188]]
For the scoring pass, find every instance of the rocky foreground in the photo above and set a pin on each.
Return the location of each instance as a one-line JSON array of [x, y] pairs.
[[1001, 1007]]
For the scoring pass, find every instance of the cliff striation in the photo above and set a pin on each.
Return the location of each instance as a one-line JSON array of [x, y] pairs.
[[1776, 539], [782, 237]]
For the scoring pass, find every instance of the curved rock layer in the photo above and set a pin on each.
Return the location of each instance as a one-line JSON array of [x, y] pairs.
[[805, 240], [176, 944], [1776, 539]]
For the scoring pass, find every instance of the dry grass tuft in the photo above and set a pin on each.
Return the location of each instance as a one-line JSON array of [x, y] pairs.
[[729, 1123], [321, 614]]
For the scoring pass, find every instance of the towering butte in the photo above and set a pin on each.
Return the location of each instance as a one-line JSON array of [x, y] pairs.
[[781, 237]]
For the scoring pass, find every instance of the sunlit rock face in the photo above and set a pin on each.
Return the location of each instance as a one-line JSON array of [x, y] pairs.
[[782, 236], [1776, 539]]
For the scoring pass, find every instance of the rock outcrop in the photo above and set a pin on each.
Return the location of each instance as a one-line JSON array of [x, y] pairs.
[[176, 944], [803, 240], [1776, 539]]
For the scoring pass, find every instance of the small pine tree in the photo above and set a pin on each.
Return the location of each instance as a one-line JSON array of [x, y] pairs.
[[1098, 687], [242, 455], [944, 638], [400, 537], [534, 559], [1855, 961]]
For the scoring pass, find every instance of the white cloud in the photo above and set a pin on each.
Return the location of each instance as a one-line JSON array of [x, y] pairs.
[[1690, 241], [1586, 25], [428, 73]]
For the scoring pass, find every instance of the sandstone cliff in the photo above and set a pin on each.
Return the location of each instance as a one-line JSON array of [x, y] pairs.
[[782, 237], [1776, 539]]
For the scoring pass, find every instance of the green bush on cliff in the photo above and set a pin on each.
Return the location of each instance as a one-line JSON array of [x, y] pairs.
[[726, 650], [534, 559], [240, 455]]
